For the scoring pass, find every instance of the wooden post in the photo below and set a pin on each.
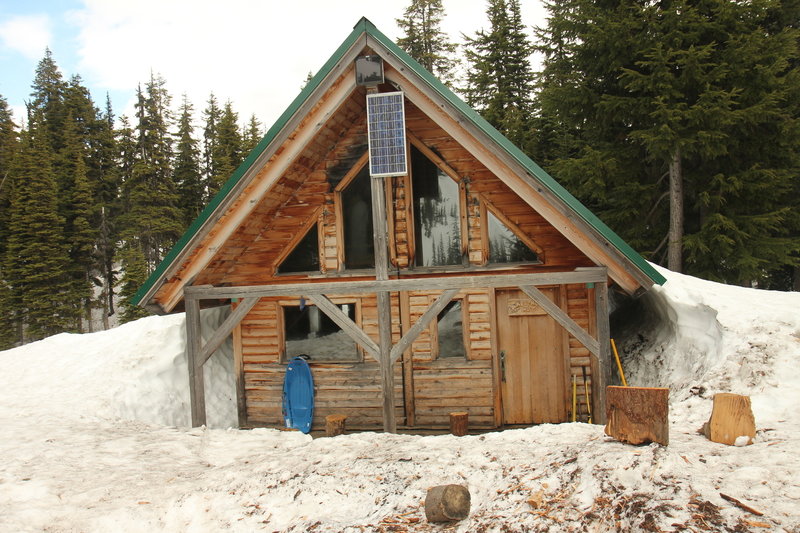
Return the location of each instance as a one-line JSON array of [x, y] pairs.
[[603, 374], [379, 226], [334, 425], [238, 370], [459, 423], [197, 396]]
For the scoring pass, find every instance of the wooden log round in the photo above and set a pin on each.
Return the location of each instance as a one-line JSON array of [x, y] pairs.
[[731, 418], [638, 415], [447, 503], [459, 423], [334, 425]]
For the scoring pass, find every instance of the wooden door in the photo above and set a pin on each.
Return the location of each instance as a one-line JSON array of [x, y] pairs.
[[533, 360]]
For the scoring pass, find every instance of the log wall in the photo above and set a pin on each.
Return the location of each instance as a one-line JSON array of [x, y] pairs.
[[427, 387]]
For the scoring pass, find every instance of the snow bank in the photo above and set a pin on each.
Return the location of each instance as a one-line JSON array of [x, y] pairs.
[[94, 438]]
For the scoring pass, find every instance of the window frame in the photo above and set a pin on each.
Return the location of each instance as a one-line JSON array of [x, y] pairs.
[[358, 356], [315, 219], [442, 165], [486, 208], [433, 331], [350, 175]]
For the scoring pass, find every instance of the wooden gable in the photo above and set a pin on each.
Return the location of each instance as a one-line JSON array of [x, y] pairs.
[[283, 187]]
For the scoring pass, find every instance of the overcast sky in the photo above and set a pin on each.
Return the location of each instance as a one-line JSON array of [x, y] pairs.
[[255, 53]]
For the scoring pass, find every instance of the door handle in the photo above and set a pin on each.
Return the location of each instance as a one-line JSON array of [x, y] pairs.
[[503, 366]]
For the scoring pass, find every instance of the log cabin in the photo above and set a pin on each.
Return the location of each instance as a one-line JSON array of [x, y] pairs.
[[421, 260]]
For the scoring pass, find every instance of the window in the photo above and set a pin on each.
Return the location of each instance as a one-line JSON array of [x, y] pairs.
[[356, 199], [437, 214], [450, 331], [309, 331], [305, 256], [505, 246]]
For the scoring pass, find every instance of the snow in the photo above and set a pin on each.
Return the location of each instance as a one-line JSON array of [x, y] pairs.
[[94, 437]]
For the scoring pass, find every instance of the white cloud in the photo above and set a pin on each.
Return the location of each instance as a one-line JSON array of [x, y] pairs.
[[256, 53], [27, 34]]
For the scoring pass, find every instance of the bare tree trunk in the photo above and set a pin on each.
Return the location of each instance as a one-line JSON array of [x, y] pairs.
[[88, 305], [675, 246]]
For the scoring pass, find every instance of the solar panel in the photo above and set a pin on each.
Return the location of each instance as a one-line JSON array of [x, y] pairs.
[[386, 130]]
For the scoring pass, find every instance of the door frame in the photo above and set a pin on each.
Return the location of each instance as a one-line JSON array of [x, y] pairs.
[[560, 292]]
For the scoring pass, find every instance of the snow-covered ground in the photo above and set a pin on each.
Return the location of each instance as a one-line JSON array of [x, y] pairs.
[[93, 437]]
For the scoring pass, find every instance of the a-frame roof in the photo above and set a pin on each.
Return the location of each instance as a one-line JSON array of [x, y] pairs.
[[626, 267]]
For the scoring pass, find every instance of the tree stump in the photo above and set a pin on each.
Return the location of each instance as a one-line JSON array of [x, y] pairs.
[[334, 425], [638, 415], [447, 503], [459, 423], [731, 417]]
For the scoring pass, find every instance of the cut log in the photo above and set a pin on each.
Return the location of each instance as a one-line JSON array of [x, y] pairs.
[[459, 423], [731, 417], [334, 425], [638, 415], [447, 503]]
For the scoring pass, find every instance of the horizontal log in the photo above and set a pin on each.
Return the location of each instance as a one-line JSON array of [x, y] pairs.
[[588, 275]]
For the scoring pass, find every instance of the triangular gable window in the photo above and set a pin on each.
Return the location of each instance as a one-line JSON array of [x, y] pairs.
[[505, 246], [305, 256]]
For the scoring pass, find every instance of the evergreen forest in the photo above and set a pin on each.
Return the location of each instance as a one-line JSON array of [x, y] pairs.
[[677, 122]]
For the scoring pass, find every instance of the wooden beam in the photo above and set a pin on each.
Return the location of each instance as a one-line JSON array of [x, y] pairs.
[[197, 399], [343, 321], [585, 275], [422, 322], [408, 364], [380, 227], [562, 318], [603, 375], [222, 332]]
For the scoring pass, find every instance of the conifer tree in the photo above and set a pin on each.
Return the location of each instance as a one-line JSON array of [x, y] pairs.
[[9, 145], [212, 114], [82, 238], [253, 135], [500, 79], [425, 41], [700, 96], [107, 207], [135, 272], [152, 218], [187, 166], [48, 99], [79, 233], [36, 256], [227, 152]]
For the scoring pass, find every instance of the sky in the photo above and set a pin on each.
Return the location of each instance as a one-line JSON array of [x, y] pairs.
[[254, 53]]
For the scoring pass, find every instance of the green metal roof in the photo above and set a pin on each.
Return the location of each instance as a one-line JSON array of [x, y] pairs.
[[363, 27]]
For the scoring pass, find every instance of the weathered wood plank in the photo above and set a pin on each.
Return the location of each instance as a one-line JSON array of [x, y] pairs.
[[197, 396], [603, 375], [588, 275]]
